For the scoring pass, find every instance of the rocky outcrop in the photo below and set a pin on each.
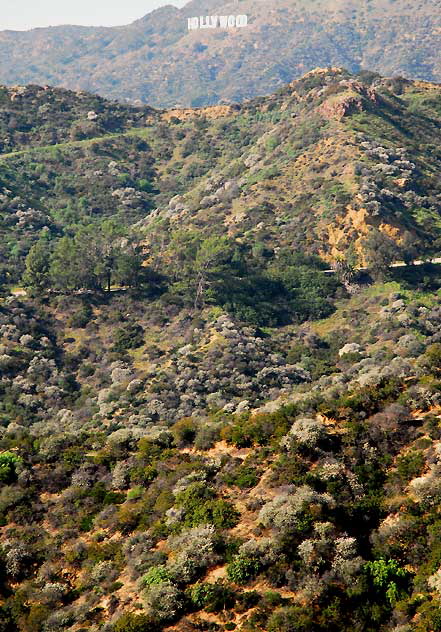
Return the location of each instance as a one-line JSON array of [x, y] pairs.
[[355, 98]]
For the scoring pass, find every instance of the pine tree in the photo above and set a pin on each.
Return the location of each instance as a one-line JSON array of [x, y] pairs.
[[36, 276]]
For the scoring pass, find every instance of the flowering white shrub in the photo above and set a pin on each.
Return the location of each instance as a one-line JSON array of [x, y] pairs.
[[305, 431], [197, 476], [26, 340], [313, 553], [120, 475], [83, 477], [325, 549], [191, 552], [283, 512], [174, 515], [134, 386], [265, 550], [331, 470], [427, 488], [59, 621], [5, 361], [16, 558], [346, 562], [434, 582], [42, 369], [52, 592], [163, 600], [349, 348], [103, 571], [121, 374]]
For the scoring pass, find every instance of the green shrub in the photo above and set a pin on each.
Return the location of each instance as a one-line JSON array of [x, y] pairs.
[[82, 317], [86, 524], [289, 469], [212, 597], [8, 463], [156, 575], [242, 569], [429, 617], [128, 337], [258, 429], [244, 477], [410, 465], [431, 360], [135, 493], [202, 507], [184, 431], [206, 436], [132, 622], [291, 619], [224, 515], [143, 476], [102, 496], [388, 577]]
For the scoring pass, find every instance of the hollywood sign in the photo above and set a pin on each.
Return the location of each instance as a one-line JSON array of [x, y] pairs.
[[217, 22]]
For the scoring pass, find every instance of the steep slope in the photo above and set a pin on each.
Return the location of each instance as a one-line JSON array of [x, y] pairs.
[[320, 163], [31, 116], [200, 429], [321, 166], [158, 61], [320, 509]]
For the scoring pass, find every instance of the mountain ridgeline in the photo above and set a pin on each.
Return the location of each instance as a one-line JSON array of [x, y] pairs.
[[341, 167], [158, 61]]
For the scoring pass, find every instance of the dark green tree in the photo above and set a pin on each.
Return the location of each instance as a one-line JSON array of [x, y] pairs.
[[65, 265], [36, 277], [380, 251], [96, 257], [199, 264]]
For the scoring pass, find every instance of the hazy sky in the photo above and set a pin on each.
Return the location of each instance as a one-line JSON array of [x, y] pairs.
[[27, 14]]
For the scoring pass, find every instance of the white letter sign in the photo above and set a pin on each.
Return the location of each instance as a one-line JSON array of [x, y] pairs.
[[217, 21]]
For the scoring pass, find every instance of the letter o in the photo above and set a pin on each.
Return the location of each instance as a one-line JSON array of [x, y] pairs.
[[241, 21], [231, 21]]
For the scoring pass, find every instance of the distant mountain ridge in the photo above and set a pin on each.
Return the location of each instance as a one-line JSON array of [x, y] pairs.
[[156, 60]]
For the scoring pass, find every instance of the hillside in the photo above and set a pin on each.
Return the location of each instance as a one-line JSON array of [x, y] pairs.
[[335, 165], [312, 502], [156, 60], [201, 428]]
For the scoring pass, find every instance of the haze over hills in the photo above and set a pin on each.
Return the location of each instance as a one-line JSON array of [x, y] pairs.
[[157, 61]]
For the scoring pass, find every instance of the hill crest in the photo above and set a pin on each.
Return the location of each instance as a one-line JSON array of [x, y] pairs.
[[156, 60]]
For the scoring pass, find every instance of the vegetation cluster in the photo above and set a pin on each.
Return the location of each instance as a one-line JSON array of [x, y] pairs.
[[219, 403]]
